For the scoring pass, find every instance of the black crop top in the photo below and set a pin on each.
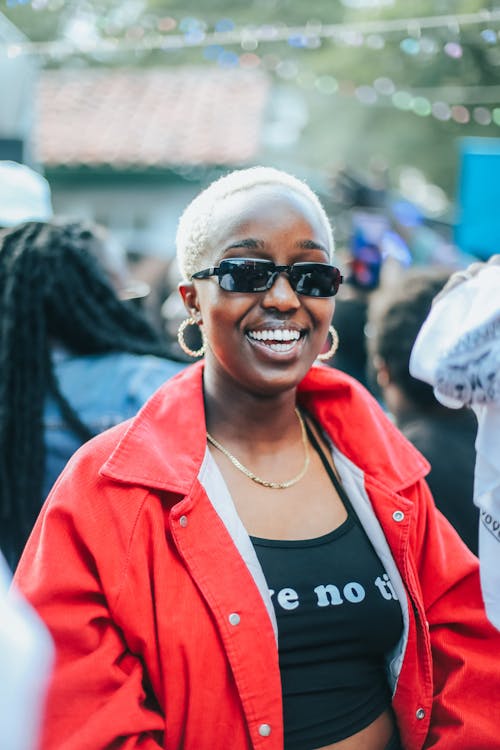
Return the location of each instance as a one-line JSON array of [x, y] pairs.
[[338, 616]]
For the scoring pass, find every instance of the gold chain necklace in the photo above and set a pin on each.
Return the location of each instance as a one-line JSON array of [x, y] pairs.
[[265, 482]]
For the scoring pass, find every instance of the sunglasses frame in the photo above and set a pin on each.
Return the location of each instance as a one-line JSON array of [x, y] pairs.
[[274, 272]]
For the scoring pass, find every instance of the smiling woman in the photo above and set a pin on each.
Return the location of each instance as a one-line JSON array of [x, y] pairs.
[[255, 560], [282, 288]]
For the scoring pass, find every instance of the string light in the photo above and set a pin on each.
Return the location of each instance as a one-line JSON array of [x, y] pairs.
[[442, 103], [195, 34], [384, 93], [453, 49]]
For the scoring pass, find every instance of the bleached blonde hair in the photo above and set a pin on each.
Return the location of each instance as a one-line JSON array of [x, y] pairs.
[[193, 232]]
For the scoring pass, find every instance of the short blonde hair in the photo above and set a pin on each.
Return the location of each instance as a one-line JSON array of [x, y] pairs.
[[193, 232]]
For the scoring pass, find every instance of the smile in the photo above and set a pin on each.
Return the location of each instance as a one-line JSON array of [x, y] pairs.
[[277, 339]]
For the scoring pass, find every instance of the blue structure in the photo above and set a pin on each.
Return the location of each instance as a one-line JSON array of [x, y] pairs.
[[477, 229]]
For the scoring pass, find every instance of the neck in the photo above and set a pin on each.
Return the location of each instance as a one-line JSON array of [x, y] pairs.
[[271, 483], [239, 415]]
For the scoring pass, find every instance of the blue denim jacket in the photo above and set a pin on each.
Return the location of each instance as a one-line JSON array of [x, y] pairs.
[[103, 389]]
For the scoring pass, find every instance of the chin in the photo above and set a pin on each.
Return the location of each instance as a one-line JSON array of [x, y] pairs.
[[278, 381]]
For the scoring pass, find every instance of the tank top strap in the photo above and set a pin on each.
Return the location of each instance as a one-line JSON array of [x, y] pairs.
[[328, 468]]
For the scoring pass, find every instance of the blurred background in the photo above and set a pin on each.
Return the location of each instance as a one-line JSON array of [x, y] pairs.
[[390, 109]]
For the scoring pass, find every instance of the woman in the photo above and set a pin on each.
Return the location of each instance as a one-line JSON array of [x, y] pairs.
[[255, 561], [75, 359]]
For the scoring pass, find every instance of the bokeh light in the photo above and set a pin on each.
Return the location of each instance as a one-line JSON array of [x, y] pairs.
[[410, 46], [402, 100], [326, 84], [441, 111], [421, 106], [460, 114], [482, 115], [454, 50], [489, 36]]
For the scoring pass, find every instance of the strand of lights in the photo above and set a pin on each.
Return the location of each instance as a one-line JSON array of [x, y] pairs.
[[309, 35], [459, 104], [442, 103], [432, 104], [464, 94]]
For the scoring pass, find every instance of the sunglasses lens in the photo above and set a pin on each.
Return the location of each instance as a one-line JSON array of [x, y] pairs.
[[315, 279], [245, 275]]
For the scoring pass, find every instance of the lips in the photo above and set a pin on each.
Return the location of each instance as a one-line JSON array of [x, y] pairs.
[[277, 339]]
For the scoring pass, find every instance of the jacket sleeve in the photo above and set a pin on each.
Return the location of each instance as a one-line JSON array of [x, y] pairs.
[[465, 646], [100, 695]]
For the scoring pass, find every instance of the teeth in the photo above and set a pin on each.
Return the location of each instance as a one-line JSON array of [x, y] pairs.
[[278, 334], [282, 347]]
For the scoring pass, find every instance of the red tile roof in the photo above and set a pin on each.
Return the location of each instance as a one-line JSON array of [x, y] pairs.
[[149, 118]]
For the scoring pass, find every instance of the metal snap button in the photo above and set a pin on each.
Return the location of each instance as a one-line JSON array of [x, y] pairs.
[[420, 713], [234, 618], [398, 515], [183, 521], [264, 730]]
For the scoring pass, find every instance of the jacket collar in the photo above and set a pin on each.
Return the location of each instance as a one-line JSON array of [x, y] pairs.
[[164, 445], [360, 429]]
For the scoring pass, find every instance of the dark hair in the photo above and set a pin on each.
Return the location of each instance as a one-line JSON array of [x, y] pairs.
[[52, 289], [350, 321], [396, 315]]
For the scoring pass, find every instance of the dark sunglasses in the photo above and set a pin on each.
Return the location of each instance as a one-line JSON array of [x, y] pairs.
[[252, 275]]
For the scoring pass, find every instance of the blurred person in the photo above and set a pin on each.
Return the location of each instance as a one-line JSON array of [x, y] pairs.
[[153, 273], [457, 351], [255, 560], [75, 358], [173, 313], [26, 656], [446, 438], [350, 321]]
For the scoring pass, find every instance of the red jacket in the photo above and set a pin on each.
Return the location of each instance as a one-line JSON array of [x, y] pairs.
[[163, 637]]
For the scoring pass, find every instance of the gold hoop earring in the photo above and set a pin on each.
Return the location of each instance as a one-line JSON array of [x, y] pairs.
[[335, 345], [180, 338]]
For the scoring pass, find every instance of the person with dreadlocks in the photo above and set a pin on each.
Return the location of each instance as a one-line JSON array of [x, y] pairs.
[[75, 359]]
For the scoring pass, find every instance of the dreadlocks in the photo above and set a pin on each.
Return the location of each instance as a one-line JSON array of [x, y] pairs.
[[52, 289]]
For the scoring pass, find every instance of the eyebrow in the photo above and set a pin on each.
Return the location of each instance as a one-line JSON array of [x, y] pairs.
[[311, 245], [252, 244], [249, 243]]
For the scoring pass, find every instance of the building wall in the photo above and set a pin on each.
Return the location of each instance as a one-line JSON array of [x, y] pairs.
[[142, 215]]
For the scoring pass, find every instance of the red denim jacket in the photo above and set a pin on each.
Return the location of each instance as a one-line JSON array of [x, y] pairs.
[[163, 637]]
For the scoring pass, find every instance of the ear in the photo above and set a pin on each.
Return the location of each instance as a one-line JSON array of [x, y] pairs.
[[189, 295]]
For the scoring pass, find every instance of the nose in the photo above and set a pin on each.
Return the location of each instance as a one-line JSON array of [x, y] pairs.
[[281, 295]]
